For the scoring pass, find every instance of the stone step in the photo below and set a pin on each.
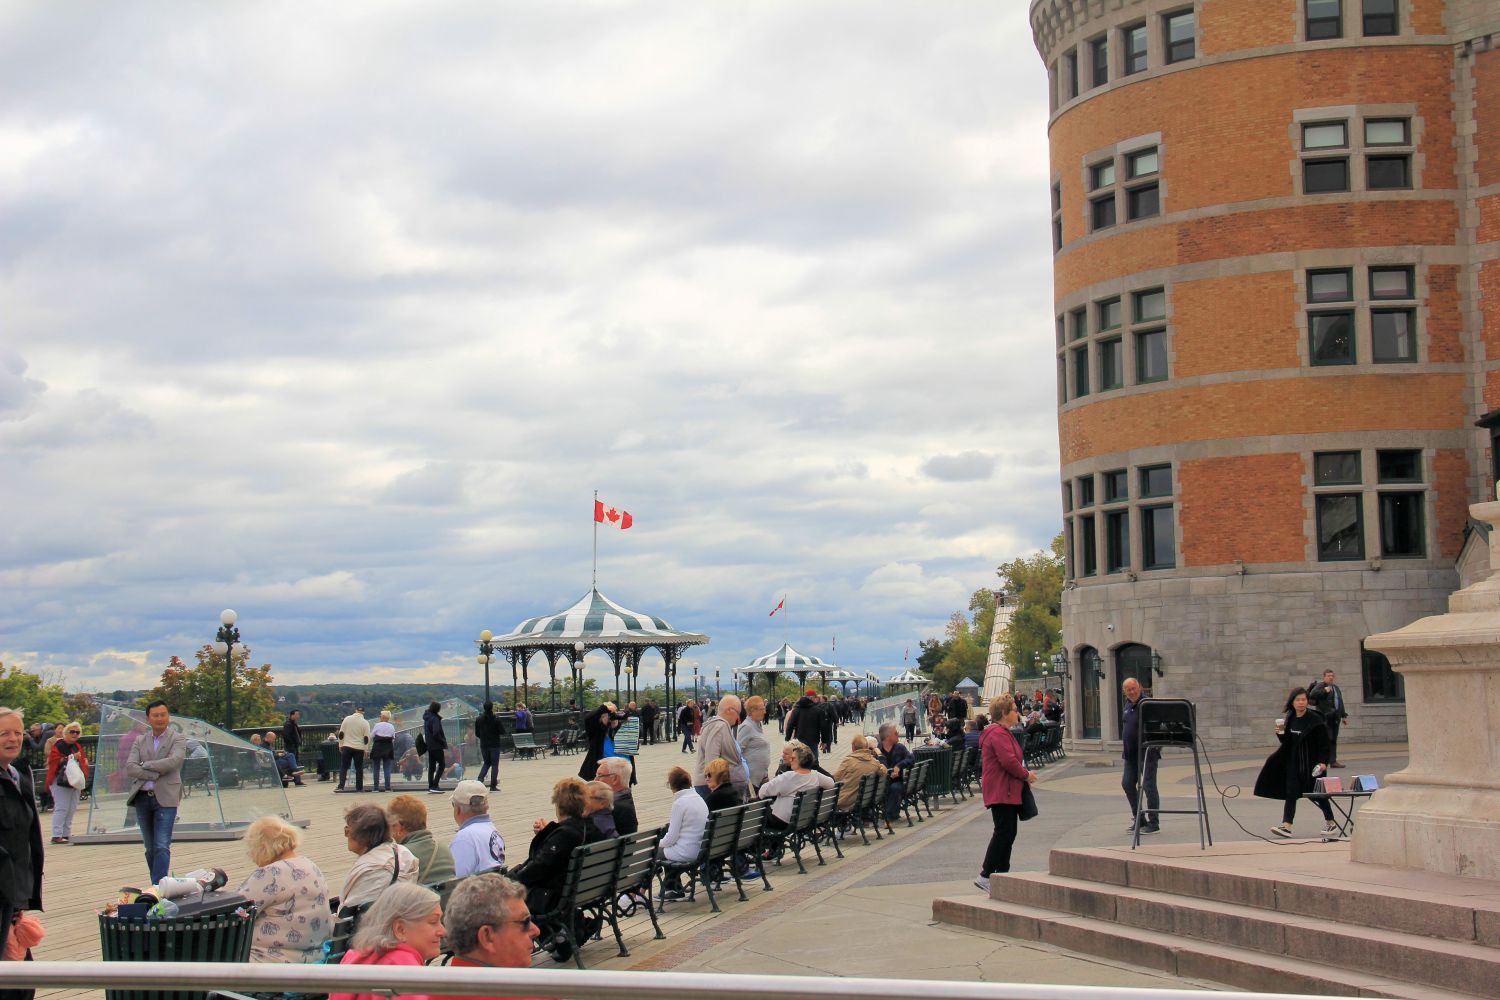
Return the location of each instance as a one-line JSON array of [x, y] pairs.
[[1189, 958], [1325, 888], [1446, 964]]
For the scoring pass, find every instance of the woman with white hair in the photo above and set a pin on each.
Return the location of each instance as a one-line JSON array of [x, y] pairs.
[[383, 748], [290, 893], [20, 830], [404, 926]]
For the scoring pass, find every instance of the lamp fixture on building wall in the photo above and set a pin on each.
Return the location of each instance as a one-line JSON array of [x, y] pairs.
[[1060, 664], [1156, 664]]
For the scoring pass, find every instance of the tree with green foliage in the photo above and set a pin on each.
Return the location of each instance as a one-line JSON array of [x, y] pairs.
[[38, 700], [1033, 585], [199, 691]]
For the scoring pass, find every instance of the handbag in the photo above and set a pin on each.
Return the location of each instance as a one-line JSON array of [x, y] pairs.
[[74, 774], [1028, 804], [420, 744]]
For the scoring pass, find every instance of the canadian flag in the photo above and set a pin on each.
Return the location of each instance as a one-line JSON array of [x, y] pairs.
[[608, 515], [779, 606]]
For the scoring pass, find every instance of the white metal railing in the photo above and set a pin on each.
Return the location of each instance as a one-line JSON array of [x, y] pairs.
[[602, 984]]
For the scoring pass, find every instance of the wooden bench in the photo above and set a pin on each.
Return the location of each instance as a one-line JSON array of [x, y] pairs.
[[870, 786], [587, 891], [524, 746], [636, 868], [748, 841], [729, 832], [956, 788], [804, 828]]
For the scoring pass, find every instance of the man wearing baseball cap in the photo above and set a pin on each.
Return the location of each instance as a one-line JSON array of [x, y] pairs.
[[477, 846]]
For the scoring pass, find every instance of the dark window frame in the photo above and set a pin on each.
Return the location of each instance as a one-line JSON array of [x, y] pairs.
[[1149, 539], [1173, 51], [1313, 358], [1136, 206], [1409, 293], [1141, 378], [1312, 166], [1411, 336], [1320, 272], [1099, 61], [1112, 479], [1416, 529], [1382, 23], [1143, 479], [1130, 55], [1090, 546], [1381, 162], [1358, 477], [1111, 347], [1325, 27], [1117, 540], [1326, 554], [1080, 371], [1414, 455], [1102, 213]]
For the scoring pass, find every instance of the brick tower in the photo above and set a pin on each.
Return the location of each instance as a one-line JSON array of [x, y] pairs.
[[1277, 290]]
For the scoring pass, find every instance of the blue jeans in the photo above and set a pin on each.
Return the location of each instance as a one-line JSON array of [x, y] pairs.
[[156, 822], [491, 765], [379, 766]]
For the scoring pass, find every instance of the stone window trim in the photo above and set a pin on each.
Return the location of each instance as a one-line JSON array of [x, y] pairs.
[[1078, 34], [1351, 24], [1369, 489], [1132, 507], [1107, 319], [1115, 162], [1363, 305], [1356, 152]]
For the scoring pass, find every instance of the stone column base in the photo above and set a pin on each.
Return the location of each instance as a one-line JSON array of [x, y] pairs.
[[1437, 828]]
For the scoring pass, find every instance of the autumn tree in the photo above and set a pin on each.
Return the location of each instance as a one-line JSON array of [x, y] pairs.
[[1033, 585], [38, 699], [198, 691]]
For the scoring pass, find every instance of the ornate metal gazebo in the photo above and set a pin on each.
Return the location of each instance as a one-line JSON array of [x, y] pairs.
[[787, 660], [594, 622], [909, 678]]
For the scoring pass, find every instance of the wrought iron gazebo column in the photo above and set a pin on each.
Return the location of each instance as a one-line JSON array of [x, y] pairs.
[[515, 654], [525, 682], [669, 662], [552, 674], [615, 654], [633, 679]]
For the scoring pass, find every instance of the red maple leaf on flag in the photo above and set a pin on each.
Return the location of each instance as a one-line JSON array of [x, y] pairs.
[[619, 518]]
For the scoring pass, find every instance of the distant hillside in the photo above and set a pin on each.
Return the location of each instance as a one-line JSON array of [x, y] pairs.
[[331, 702]]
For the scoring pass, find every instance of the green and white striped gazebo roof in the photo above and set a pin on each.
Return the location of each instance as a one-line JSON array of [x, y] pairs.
[[594, 618], [787, 660], [909, 677]]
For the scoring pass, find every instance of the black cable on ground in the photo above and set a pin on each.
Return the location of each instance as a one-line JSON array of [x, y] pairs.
[[1233, 792]]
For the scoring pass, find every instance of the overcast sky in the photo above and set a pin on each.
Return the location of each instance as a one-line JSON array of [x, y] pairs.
[[337, 314]]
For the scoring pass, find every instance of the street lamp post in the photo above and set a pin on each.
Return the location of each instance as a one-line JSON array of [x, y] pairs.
[[718, 688], [227, 644], [577, 666], [486, 654]]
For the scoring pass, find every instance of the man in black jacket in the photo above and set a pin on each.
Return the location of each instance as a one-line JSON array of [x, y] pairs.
[[805, 722], [896, 758], [291, 736], [489, 729], [20, 832], [1325, 696], [1135, 774]]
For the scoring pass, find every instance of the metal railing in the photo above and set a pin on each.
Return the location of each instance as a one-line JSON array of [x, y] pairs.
[[605, 984]]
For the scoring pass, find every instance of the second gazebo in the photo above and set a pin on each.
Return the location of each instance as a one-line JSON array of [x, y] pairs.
[[786, 660]]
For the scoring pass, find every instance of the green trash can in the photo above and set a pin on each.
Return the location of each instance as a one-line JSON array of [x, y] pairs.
[[940, 775], [330, 752], [219, 937]]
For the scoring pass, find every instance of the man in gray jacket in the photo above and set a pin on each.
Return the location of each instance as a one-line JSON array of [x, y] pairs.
[[154, 767], [717, 740]]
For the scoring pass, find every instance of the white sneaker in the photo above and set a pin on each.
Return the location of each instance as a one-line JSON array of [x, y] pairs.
[[1282, 831], [983, 882]]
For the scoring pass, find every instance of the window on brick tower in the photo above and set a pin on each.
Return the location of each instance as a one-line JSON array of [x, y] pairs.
[[1133, 40], [1325, 19], [1180, 31], [1381, 17], [1099, 61]]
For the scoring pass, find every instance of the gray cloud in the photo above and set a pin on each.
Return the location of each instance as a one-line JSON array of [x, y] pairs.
[[342, 326]]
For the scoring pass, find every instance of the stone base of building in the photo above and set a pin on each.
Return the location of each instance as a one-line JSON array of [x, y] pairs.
[[1236, 644], [1433, 828]]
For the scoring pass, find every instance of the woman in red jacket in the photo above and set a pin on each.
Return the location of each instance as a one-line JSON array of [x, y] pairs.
[[64, 795], [1001, 778]]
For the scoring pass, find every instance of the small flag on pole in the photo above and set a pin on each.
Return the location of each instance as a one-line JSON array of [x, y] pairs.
[[609, 515], [907, 657], [835, 644], [779, 606]]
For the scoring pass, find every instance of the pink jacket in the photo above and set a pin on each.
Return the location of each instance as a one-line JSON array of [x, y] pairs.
[[402, 954], [1001, 772]]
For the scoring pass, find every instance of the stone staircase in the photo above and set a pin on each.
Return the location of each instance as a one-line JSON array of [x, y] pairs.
[[1303, 919]]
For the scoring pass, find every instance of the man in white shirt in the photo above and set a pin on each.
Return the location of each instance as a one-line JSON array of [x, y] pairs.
[[354, 739], [478, 845]]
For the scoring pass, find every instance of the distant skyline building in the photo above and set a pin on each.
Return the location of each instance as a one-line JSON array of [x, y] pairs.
[[1277, 294]]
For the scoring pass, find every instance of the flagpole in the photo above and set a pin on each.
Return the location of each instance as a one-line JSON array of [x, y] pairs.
[[595, 583]]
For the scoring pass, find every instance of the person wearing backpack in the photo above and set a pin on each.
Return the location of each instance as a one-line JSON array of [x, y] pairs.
[[489, 729]]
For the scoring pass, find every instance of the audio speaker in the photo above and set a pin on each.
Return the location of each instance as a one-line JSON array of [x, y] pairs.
[[1167, 721]]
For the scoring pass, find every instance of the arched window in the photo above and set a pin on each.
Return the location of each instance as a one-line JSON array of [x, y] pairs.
[[1132, 660], [1089, 669]]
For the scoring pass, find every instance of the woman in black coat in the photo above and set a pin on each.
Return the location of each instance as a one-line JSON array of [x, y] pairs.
[[20, 832], [1292, 771], [546, 865], [595, 729], [437, 743]]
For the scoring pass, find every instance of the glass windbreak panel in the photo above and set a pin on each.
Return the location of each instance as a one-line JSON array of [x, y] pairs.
[[1089, 546], [1340, 526], [1380, 17], [1117, 541], [1391, 336], [1403, 466], [1325, 135], [1330, 286], [1385, 132], [1135, 47], [1111, 364], [1103, 211], [1158, 539], [1144, 202], [1324, 19], [1101, 175], [1109, 314], [1332, 338], [1336, 468], [458, 725], [1099, 59], [1086, 491], [227, 782], [1116, 485], [1325, 176], [1151, 356], [1392, 283], [1401, 526], [1143, 163], [1150, 305], [1181, 31], [1156, 481], [1387, 173]]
